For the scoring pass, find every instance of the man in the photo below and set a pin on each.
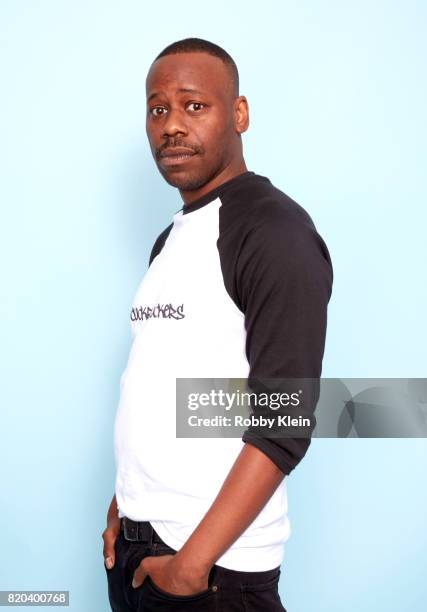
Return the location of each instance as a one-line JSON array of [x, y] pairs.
[[237, 286]]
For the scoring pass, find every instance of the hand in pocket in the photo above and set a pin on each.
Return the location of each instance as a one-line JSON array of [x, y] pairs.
[[165, 572]]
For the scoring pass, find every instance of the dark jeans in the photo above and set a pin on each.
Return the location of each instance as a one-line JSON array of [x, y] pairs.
[[229, 590]]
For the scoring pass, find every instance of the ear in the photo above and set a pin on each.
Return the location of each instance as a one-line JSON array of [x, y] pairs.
[[241, 114]]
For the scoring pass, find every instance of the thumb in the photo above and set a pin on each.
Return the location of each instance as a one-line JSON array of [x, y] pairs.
[[140, 574]]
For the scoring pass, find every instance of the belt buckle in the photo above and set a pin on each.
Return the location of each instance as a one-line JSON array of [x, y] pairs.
[[134, 531], [130, 529]]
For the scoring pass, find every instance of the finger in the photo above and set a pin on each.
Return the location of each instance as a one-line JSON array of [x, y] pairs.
[[109, 561], [109, 553]]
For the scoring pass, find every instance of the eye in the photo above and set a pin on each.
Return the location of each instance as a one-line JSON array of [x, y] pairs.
[[199, 104], [156, 108]]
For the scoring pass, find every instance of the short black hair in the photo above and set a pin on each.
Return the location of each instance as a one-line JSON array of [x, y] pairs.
[[188, 45]]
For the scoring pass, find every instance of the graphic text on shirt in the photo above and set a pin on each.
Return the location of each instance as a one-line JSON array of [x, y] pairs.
[[164, 311]]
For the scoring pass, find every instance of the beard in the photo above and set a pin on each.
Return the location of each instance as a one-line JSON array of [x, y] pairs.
[[184, 181], [188, 180]]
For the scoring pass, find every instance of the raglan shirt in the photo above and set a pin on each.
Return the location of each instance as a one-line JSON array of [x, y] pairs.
[[237, 286]]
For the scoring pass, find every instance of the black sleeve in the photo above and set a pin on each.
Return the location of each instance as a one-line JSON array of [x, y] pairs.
[[158, 245], [284, 282]]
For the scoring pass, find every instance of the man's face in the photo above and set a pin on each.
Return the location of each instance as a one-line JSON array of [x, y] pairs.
[[192, 134]]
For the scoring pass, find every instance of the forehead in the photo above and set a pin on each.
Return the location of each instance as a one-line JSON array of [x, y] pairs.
[[199, 71]]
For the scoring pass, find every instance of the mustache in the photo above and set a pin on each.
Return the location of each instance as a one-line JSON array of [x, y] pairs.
[[177, 143]]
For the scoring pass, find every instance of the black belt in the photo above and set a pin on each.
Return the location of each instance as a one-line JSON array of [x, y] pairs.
[[139, 531]]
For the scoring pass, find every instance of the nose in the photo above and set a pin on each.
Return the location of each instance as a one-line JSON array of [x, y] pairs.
[[174, 123]]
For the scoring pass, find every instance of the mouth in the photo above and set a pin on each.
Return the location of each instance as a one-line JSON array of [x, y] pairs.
[[175, 158]]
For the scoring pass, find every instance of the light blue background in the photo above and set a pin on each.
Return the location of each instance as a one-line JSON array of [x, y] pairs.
[[337, 97]]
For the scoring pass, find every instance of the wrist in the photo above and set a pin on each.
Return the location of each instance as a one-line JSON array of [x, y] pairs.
[[113, 514], [187, 563], [113, 523]]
